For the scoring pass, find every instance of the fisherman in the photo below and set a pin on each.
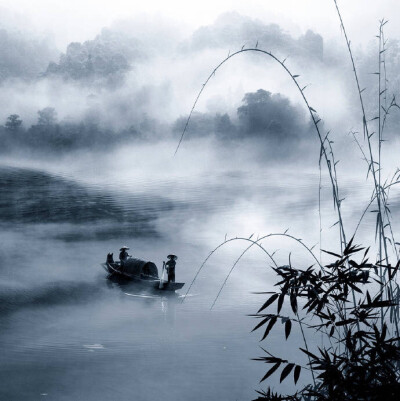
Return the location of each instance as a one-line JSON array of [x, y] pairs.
[[123, 255], [170, 265]]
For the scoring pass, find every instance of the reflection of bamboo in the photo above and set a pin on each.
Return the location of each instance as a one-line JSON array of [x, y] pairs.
[[162, 276]]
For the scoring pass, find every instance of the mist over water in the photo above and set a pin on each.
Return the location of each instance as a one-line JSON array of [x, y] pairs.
[[96, 169], [70, 333]]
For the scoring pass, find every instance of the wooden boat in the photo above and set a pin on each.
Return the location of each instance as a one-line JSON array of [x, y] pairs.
[[140, 271]]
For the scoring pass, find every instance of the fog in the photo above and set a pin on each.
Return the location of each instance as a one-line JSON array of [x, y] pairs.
[[141, 78], [94, 99]]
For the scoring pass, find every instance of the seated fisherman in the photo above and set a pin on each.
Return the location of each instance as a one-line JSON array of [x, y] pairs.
[[110, 258], [123, 255], [170, 265]]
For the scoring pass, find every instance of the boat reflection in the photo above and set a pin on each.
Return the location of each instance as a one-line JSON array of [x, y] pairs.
[[167, 300]]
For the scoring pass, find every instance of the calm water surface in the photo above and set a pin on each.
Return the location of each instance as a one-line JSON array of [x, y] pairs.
[[68, 333]]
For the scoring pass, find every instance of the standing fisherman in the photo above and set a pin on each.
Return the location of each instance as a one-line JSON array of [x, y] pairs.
[[123, 255], [170, 265]]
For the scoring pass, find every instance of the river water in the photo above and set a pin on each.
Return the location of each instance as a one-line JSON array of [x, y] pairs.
[[68, 333]]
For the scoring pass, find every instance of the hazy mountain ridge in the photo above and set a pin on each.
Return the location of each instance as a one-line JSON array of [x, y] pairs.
[[114, 51], [114, 88], [103, 60], [232, 31]]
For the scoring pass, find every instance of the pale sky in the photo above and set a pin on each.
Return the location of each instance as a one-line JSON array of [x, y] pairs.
[[77, 20]]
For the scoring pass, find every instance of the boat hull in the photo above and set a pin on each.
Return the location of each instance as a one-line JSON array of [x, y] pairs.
[[147, 281]]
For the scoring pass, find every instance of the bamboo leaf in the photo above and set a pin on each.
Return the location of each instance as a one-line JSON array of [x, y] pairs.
[[280, 301], [286, 371], [265, 320], [288, 328], [331, 253], [293, 302], [272, 370], [297, 371], [344, 322], [269, 302], [269, 327], [309, 353]]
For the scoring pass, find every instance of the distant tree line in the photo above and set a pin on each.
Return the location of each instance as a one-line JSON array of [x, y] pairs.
[[263, 117], [50, 134]]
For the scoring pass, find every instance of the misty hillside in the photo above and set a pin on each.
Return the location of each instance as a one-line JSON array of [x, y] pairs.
[[115, 89], [111, 54], [104, 59], [232, 31]]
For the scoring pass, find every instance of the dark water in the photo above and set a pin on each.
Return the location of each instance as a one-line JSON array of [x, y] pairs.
[[68, 333]]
